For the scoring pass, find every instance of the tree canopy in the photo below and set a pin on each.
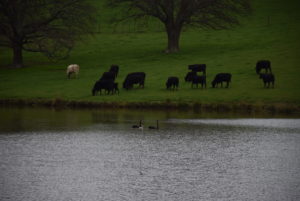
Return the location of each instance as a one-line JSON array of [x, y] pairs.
[[48, 26]]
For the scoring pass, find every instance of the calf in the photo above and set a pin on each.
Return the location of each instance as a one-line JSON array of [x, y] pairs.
[[114, 69], [267, 79], [108, 76], [189, 76], [172, 83], [198, 68], [107, 85], [199, 80], [134, 78], [72, 69], [263, 64], [220, 78]]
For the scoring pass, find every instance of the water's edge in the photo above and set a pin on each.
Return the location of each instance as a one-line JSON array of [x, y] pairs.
[[236, 107]]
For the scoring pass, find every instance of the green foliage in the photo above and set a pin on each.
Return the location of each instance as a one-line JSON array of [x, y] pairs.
[[271, 33]]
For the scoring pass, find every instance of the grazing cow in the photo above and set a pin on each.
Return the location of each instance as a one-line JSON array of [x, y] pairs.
[[114, 69], [134, 78], [220, 78], [199, 80], [72, 69], [108, 76], [189, 76], [172, 83], [107, 85], [198, 68], [263, 64], [267, 79]]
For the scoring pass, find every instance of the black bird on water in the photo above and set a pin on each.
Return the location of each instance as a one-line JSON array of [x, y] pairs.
[[140, 126], [153, 127]]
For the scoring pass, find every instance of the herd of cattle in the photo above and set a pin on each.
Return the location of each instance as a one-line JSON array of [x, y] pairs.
[[108, 84]]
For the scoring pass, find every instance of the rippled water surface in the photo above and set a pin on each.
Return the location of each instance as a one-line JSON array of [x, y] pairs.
[[96, 155]]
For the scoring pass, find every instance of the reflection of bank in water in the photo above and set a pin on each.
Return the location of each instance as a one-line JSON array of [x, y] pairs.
[[38, 119]]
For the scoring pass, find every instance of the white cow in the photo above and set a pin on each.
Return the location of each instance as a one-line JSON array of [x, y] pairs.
[[72, 68]]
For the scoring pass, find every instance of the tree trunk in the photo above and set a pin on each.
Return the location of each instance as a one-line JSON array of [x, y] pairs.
[[173, 33], [17, 56]]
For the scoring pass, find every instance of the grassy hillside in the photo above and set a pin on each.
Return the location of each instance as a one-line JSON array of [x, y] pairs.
[[272, 32]]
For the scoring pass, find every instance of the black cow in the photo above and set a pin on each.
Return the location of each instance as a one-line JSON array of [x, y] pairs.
[[189, 76], [114, 69], [263, 64], [108, 76], [172, 83], [267, 79], [134, 78], [107, 85], [198, 68], [199, 80], [220, 78]]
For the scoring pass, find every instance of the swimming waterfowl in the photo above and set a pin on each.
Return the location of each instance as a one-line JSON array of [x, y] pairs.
[[140, 126], [153, 127]]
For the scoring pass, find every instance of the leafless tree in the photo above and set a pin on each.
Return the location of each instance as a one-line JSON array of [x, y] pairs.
[[175, 14], [47, 26]]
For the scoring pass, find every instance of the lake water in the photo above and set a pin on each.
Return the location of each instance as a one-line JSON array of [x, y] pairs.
[[93, 155]]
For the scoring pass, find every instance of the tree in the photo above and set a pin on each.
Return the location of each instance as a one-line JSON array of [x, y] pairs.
[[47, 26], [175, 14]]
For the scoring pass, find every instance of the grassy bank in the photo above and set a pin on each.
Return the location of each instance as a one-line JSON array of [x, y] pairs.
[[272, 32]]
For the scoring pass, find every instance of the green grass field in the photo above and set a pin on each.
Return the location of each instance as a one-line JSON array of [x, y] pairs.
[[272, 32]]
